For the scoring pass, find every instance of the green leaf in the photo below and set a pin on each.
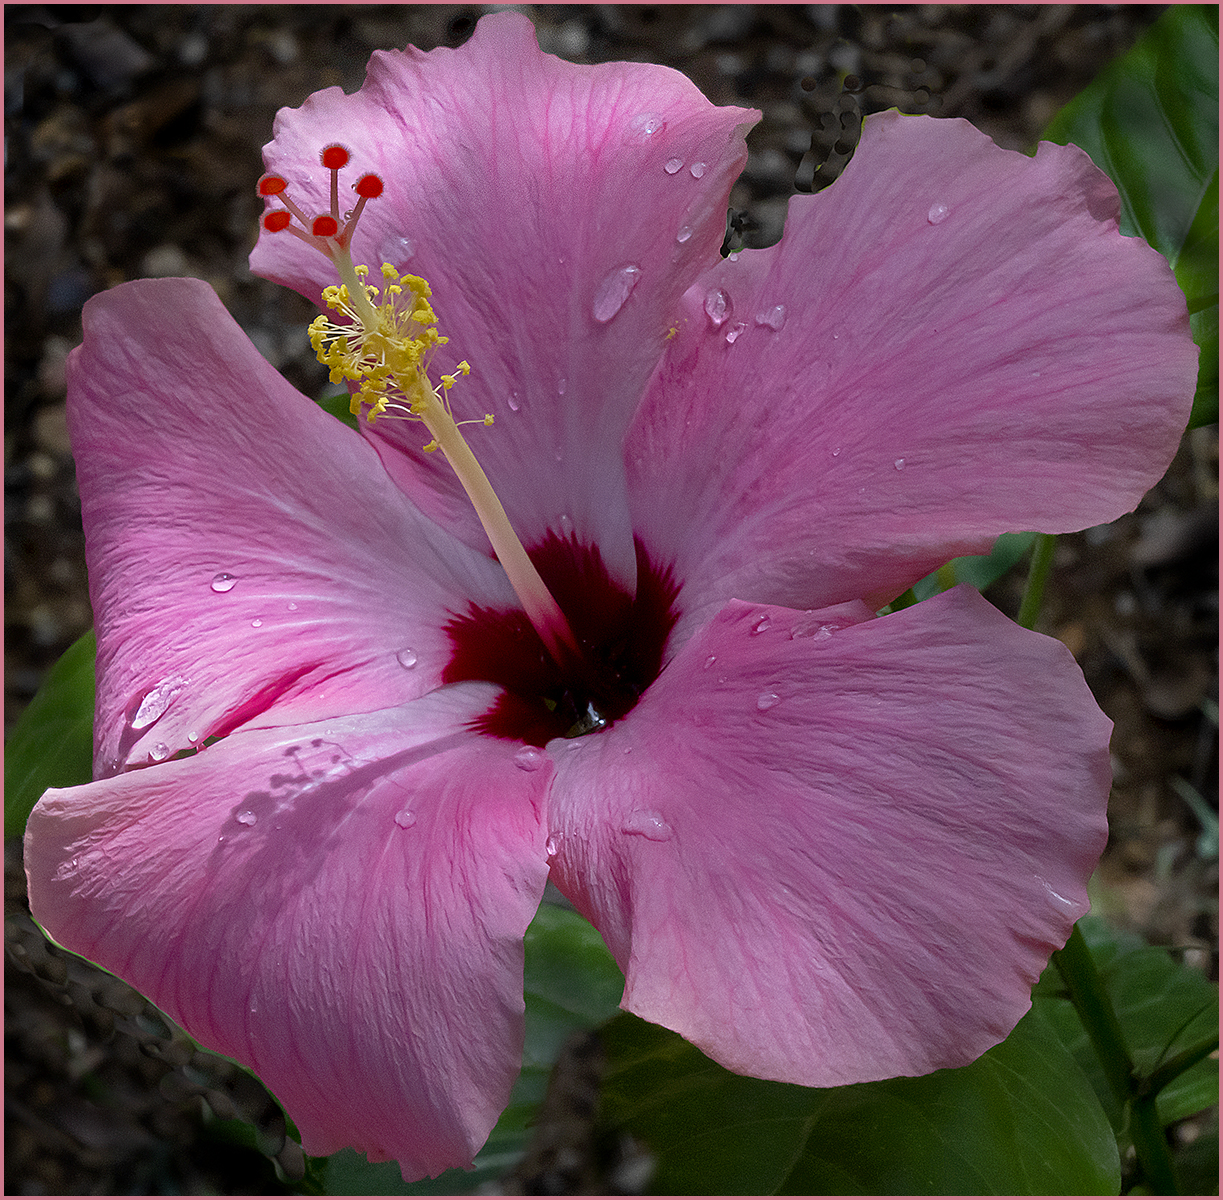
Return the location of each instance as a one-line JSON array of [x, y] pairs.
[[340, 407], [711, 1132], [980, 570], [572, 983], [1021, 1119], [1165, 1010], [1151, 121], [52, 742]]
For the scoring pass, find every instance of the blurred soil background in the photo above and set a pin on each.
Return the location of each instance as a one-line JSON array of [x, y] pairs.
[[132, 140]]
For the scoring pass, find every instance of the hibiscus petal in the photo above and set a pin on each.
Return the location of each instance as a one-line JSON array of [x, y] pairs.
[[558, 212], [339, 906], [950, 342], [246, 551], [827, 851]]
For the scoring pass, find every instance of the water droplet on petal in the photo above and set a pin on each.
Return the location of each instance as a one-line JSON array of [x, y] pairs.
[[405, 818], [672, 165], [406, 657], [396, 250], [644, 126], [561, 385], [614, 291], [192, 736], [257, 623], [937, 213], [514, 402], [159, 751], [246, 817], [766, 700], [647, 824], [763, 622], [685, 232], [713, 658], [552, 845], [156, 700], [718, 307], [899, 464], [774, 318], [732, 334], [222, 582], [529, 758], [292, 606], [811, 628], [698, 169], [836, 450]]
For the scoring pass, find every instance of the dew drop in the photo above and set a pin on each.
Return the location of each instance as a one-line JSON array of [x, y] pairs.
[[405, 818], [514, 402], [644, 126], [156, 700], [836, 450], [733, 256], [561, 385], [222, 582], [713, 658], [246, 817], [811, 628], [899, 464], [257, 623], [292, 606], [718, 307], [685, 232], [774, 318], [397, 249], [614, 291], [937, 213], [406, 657], [698, 169], [766, 700], [733, 334], [192, 736], [529, 758], [763, 622], [672, 165], [159, 751], [552, 845], [647, 824]]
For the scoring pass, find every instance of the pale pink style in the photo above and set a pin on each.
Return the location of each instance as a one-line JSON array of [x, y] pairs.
[[824, 846]]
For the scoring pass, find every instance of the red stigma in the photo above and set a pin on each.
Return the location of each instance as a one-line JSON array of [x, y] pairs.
[[368, 187], [271, 185], [325, 226], [334, 157], [274, 222]]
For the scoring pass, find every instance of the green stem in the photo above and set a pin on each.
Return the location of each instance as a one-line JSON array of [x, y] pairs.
[[1038, 574], [1078, 970], [1179, 1064]]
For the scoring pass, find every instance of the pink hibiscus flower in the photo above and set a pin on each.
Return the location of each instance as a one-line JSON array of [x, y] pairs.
[[823, 845]]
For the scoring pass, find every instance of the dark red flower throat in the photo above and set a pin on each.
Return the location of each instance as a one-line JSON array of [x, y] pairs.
[[621, 639]]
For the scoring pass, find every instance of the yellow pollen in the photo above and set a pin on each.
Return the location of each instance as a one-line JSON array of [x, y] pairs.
[[385, 346]]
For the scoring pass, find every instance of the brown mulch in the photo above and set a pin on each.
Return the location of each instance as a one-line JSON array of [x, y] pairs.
[[132, 146]]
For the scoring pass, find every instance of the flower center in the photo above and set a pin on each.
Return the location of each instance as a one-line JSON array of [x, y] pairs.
[[622, 638], [385, 346]]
